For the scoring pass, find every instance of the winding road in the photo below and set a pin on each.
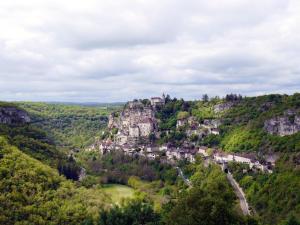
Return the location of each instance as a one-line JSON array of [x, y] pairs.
[[186, 180], [239, 193], [237, 189]]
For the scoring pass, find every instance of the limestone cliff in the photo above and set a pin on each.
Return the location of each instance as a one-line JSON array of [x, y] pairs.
[[287, 124], [136, 121], [11, 116]]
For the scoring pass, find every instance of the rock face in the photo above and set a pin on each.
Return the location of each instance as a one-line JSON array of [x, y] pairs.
[[223, 107], [287, 124], [12, 116], [135, 122]]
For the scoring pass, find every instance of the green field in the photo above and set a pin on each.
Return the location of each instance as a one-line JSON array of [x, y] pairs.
[[118, 192]]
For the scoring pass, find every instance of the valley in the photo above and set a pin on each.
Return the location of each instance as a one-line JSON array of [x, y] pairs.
[[177, 160]]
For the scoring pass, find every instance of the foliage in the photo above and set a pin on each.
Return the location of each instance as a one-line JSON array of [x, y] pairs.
[[118, 192], [210, 201], [35, 142], [74, 126], [132, 212], [167, 114], [182, 115], [33, 193], [243, 124], [274, 196], [242, 139], [116, 167]]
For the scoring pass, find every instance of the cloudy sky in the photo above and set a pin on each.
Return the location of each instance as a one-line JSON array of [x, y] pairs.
[[116, 50]]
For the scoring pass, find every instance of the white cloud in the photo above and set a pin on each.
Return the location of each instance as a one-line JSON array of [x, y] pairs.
[[117, 50]]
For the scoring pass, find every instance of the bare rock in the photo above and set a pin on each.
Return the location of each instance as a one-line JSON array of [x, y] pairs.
[[223, 107], [135, 122], [12, 116], [287, 124]]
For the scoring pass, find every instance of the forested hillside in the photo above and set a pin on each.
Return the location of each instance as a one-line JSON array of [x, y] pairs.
[[242, 122], [34, 193], [243, 128], [73, 126]]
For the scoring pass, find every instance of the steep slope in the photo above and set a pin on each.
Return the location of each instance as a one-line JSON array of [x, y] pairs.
[[247, 125], [17, 127], [33, 193]]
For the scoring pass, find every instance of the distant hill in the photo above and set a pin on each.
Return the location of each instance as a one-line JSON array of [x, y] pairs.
[[69, 125]]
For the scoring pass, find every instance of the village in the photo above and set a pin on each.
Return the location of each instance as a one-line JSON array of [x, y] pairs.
[[137, 121], [173, 155]]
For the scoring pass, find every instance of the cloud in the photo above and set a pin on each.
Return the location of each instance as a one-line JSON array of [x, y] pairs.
[[118, 50]]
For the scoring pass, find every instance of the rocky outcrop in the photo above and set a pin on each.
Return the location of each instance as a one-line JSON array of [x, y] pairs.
[[223, 107], [13, 116], [135, 122], [287, 124]]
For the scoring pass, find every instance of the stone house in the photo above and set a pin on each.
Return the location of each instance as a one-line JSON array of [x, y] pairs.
[[152, 155], [203, 151], [190, 155], [242, 159], [193, 122], [163, 148], [155, 101], [181, 123], [215, 131]]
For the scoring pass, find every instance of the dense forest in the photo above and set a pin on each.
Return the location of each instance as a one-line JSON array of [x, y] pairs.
[[69, 125], [34, 193]]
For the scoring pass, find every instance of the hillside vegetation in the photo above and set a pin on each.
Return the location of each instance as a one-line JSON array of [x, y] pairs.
[[33, 193], [73, 126], [275, 197], [243, 125]]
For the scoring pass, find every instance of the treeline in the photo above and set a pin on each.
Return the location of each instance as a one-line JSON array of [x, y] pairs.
[[73, 126], [116, 167]]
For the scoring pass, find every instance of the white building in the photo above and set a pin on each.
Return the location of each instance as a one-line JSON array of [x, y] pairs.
[[203, 151], [163, 148], [215, 131], [181, 123], [157, 101], [241, 159]]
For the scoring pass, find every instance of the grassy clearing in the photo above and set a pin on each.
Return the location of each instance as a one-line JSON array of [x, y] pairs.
[[118, 192]]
